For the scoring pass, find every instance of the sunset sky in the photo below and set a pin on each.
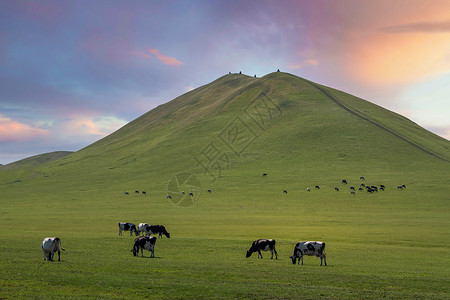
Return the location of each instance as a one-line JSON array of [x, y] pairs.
[[72, 72]]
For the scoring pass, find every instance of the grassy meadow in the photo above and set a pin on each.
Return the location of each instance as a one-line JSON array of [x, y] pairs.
[[393, 244]]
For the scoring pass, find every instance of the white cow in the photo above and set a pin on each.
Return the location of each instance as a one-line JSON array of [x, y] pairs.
[[142, 227], [50, 246], [311, 249]]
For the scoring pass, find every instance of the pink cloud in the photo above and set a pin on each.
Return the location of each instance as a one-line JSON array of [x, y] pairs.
[[167, 60], [11, 130]]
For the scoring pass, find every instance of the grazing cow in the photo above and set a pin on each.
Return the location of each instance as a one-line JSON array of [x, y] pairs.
[[285, 191], [264, 245], [344, 181], [317, 187], [144, 243], [190, 194], [126, 193], [352, 192], [265, 174], [361, 189], [50, 246], [382, 186], [404, 186], [374, 188], [400, 187], [209, 191], [352, 188], [310, 249], [127, 227], [137, 192], [308, 190], [157, 229], [363, 185], [169, 197], [144, 193], [336, 189], [362, 178], [142, 228]]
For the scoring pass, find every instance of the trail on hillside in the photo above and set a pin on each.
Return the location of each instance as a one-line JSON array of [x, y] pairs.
[[365, 118]]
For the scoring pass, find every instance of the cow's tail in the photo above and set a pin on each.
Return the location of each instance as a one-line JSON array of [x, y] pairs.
[[60, 246]]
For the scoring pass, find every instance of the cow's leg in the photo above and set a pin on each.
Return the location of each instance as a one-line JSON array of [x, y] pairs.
[[259, 254], [271, 252], [45, 256], [276, 254], [324, 260], [120, 232], [59, 255], [153, 252], [301, 258], [142, 252]]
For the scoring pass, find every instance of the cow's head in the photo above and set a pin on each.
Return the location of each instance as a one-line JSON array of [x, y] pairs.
[[249, 253], [167, 234], [294, 259]]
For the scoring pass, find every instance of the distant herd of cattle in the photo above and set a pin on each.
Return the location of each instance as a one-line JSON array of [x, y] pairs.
[[362, 187], [147, 242]]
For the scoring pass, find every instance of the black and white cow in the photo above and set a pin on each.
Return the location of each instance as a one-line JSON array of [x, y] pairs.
[[311, 249], [264, 245], [157, 229], [127, 227], [144, 243], [50, 246], [142, 228]]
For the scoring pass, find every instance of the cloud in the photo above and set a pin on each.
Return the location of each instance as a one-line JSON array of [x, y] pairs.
[[443, 26], [167, 60], [307, 62], [84, 126], [15, 131]]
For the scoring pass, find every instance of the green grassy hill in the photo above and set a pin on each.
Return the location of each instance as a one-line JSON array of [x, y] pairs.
[[223, 137]]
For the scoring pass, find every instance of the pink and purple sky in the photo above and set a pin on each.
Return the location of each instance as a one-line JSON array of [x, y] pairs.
[[72, 72]]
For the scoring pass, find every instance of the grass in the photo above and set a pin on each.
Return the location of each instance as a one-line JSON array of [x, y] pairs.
[[392, 244]]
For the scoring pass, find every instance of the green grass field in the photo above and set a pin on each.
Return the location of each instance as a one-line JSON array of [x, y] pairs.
[[393, 244]]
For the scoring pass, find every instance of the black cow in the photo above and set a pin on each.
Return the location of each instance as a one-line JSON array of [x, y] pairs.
[[144, 193], [285, 191], [362, 178], [265, 174], [336, 189], [352, 188], [158, 229], [144, 242], [126, 193], [264, 245], [317, 187], [127, 227], [137, 192], [344, 181]]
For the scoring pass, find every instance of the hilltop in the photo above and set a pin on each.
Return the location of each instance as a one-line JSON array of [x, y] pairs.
[[279, 123], [36, 160]]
